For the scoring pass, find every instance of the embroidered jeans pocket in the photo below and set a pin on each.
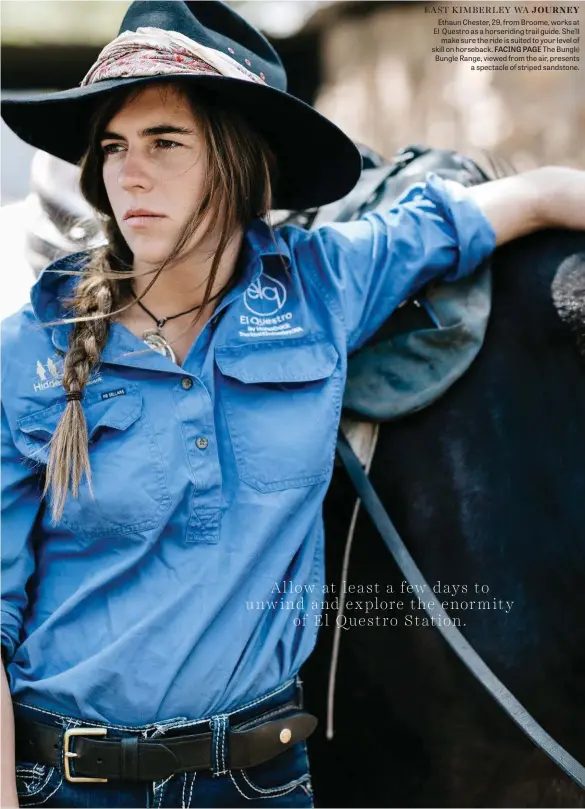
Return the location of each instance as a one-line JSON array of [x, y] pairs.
[[282, 400], [287, 774], [36, 783], [127, 473]]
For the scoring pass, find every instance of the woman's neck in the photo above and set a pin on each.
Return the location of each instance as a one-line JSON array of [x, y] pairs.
[[176, 290], [182, 286]]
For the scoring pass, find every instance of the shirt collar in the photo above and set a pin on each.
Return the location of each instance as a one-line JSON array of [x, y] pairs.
[[54, 283], [259, 241]]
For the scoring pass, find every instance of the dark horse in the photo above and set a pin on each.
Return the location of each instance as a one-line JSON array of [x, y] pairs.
[[486, 487]]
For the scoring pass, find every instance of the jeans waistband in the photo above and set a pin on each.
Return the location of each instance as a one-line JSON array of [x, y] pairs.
[[290, 692]]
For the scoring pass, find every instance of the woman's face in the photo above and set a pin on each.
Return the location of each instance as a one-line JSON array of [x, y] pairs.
[[154, 169]]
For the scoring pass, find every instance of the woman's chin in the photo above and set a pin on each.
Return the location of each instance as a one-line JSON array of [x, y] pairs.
[[151, 255]]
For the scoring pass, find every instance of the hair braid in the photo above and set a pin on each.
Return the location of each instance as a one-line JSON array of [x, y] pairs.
[[69, 454]]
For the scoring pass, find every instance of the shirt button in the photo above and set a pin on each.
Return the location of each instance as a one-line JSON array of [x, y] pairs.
[[186, 383], [202, 443]]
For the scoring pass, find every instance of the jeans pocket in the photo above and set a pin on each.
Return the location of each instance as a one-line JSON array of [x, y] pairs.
[[36, 783], [282, 775]]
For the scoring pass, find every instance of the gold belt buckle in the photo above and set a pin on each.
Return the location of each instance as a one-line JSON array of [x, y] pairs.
[[74, 779]]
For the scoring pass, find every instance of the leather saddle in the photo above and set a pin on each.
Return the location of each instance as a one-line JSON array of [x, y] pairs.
[[431, 340]]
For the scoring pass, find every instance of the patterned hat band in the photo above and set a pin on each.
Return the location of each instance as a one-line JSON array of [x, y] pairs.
[[157, 52]]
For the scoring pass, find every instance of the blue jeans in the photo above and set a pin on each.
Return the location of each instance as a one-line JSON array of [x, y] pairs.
[[282, 781]]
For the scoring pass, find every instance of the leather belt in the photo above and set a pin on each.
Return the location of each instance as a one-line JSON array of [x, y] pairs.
[[97, 757]]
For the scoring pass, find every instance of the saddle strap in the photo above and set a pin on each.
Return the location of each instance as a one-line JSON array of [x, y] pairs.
[[481, 671]]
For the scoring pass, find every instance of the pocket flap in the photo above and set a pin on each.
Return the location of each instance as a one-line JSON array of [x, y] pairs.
[[118, 412], [278, 361]]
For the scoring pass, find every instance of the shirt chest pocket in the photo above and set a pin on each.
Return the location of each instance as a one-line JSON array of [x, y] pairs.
[[282, 402], [130, 492]]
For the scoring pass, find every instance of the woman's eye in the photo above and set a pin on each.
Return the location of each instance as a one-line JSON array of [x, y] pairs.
[[111, 148], [162, 143], [159, 143]]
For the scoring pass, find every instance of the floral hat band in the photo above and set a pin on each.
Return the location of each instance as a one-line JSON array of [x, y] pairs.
[[155, 52]]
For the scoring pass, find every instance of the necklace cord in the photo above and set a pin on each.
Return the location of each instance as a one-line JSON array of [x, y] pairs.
[[160, 321]]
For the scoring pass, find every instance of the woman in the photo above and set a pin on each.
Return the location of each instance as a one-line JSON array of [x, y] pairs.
[[170, 414]]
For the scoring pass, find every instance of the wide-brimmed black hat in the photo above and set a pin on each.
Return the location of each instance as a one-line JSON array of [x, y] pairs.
[[317, 162]]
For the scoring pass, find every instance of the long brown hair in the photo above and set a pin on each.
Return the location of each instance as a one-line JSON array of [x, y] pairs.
[[238, 187]]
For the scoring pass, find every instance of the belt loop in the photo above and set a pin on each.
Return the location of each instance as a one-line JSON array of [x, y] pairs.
[[129, 759], [219, 744], [300, 692]]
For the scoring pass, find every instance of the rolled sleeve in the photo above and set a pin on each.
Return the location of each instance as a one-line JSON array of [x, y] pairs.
[[369, 266], [475, 238], [20, 507]]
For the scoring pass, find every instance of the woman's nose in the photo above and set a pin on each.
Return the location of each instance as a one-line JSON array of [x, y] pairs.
[[134, 171]]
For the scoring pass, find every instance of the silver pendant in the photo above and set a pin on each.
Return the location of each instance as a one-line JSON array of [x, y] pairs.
[[156, 341]]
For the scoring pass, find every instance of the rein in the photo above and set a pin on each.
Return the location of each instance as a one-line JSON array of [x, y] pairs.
[[466, 653]]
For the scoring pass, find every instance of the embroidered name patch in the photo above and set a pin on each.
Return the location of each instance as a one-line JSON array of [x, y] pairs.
[[111, 393]]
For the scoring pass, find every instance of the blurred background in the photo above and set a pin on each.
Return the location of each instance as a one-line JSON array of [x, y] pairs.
[[366, 65]]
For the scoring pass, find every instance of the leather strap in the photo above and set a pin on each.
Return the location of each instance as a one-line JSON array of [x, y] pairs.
[[505, 699], [139, 759]]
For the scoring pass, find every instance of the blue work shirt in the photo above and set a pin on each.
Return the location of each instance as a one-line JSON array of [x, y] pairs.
[[180, 590]]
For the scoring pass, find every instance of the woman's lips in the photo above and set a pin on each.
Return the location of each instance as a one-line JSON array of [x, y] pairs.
[[143, 220]]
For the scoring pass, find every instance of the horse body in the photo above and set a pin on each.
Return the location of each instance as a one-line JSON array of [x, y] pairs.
[[487, 488]]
